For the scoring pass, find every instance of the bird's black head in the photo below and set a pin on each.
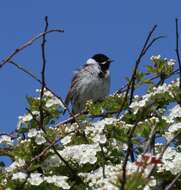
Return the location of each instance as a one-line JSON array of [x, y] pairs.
[[103, 61]]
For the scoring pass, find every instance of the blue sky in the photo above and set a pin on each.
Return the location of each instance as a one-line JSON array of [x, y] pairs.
[[117, 28]]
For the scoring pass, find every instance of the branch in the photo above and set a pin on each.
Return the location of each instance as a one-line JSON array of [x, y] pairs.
[[163, 151], [149, 141], [169, 186], [131, 85], [145, 48], [43, 84], [25, 45], [6, 152], [177, 52]]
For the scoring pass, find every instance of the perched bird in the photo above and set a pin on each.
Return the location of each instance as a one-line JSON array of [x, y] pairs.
[[91, 82]]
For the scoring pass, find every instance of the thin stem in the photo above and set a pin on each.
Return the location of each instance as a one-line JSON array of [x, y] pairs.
[[177, 53]]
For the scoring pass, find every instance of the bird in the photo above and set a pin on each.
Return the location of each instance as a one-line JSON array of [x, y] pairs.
[[90, 82]]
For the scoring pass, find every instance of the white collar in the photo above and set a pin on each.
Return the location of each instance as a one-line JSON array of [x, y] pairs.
[[91, 61]]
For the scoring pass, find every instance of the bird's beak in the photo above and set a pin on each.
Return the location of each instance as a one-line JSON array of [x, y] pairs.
[[110, 60]]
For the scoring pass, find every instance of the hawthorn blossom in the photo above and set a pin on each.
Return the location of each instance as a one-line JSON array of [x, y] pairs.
[[40, 139], [5, 139], [19, 176], [172, 161], [38, 135], [59, 181], [54, 101], [28, 117], [35, 179], [82, 154], [96, 180], [175, 127], [16, 164], [32, 133]]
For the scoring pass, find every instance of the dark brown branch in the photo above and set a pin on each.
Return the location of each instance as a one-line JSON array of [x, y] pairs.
[[177, 53], [25, 45], [6, 152], [131, 85], [26, 71], [145, 48], [169, 186], [43, 84]]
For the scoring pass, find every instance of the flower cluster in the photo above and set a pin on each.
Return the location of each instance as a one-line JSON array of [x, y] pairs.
[[89, 151]]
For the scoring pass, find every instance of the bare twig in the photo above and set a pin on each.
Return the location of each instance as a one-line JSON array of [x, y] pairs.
[[149, 141], [177, 53], [131, 85], [169, 186], [6, 151], [145, 48], [43, 84], [26, 71], [25, 45]]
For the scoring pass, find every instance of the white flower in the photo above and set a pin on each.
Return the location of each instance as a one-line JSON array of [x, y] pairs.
[[32, 133], [96, 180], [156, 57], [40, 139], [171, 62], [59, 181], [96, 130], [35, 179], [48, 93], [19, 176], [16, 164], [146, 187], [5, 139], [53, 102], [175, 112], [168, 136], [26, 118], [82, 154], [100, 138], [175, 127], [171, 161], [66, 140]]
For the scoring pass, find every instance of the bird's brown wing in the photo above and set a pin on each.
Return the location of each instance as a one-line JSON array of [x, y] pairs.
[[74, 82], [72, 87]]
